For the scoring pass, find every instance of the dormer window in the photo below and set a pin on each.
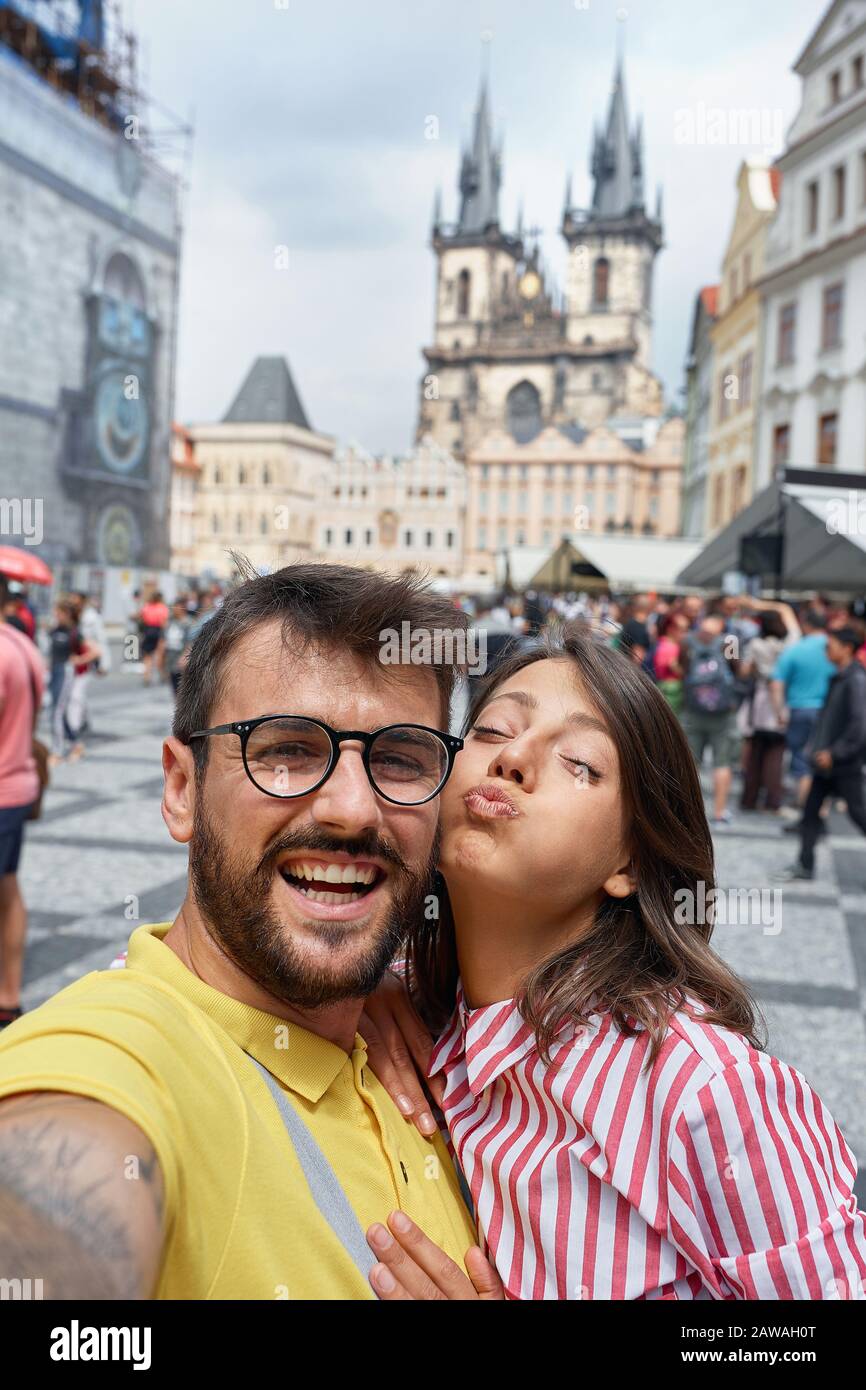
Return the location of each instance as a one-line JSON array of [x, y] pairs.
[[835, 87]]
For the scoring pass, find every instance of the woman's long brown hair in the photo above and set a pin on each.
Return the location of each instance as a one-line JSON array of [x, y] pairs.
[[637, 960]]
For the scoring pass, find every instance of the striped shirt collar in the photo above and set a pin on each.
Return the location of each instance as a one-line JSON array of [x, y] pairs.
[[493, 1038]]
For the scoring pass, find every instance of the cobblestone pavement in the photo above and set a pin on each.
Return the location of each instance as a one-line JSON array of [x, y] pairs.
[[100, 860]]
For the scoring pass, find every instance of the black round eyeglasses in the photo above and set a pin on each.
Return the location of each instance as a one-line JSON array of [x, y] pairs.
[[289, 755]]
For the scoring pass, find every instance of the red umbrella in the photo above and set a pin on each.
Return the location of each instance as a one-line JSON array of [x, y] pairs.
[[26, 568]]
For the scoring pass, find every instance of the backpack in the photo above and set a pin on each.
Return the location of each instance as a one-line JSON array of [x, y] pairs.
[[709, 683]]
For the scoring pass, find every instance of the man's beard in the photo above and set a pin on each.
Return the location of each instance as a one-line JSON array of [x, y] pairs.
[[234, 900]]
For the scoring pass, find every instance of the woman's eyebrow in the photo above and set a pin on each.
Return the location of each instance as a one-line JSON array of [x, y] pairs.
[[523, 697]]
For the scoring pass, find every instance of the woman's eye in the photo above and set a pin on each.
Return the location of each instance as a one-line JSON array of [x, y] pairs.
[[583, 770], [486, 729]]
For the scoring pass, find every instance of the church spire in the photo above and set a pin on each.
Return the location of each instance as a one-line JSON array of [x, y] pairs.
[[480, 175], [617, 159]]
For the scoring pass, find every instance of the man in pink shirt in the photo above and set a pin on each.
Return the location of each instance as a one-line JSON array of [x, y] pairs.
[[22, 681]]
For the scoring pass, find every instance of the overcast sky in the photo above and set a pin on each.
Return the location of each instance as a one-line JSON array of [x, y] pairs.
[[310, 120]]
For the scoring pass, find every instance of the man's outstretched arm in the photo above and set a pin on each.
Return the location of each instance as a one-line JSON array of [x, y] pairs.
[[81, 1198]]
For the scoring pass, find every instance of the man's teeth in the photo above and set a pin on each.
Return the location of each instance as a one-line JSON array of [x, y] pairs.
[[332, 873], [328, 897]]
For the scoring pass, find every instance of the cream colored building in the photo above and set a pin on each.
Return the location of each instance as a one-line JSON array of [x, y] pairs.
[[393, 513], [624, 477], [736, 338], [258, 476], [185, 469]]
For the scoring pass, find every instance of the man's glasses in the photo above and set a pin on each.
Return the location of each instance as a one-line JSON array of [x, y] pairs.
[[290, 755]]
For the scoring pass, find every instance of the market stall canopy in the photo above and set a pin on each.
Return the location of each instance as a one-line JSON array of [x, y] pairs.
[[21, 565], [593, 562], [822, 520]]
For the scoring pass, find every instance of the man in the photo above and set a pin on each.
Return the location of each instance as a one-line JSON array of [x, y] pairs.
[[22, 682], [634, 638], [177, 642], [202, 1123], [710, 699], [838, 749], [801, 679]]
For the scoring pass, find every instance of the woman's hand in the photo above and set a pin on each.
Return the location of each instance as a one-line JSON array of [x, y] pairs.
[[411, 1268], [399, 1048]]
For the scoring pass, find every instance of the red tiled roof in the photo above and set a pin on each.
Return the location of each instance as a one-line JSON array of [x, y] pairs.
[[710, 299]]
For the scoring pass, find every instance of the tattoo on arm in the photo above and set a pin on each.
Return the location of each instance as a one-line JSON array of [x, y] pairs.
[[73, 1211]]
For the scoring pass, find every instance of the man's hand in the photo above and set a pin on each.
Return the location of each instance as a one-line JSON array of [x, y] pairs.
[[399, 1048], [413, 1269], [81, 1198], [824, 760]]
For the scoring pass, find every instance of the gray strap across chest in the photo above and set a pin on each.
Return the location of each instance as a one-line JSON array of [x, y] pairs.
[[323, 1183]]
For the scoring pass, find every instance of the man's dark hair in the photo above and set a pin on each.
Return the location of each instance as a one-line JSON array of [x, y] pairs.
[[323, 605], [814, 618], [848, 636]]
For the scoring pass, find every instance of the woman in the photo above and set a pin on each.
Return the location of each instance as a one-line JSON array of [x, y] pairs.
[[760, 722], [667, 658], [154, 616], [620, 1131]]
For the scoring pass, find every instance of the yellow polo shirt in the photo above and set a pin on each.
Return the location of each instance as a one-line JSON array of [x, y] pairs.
[[156, 1043]]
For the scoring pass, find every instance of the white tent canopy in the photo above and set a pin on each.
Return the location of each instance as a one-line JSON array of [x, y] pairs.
[[627, 562]]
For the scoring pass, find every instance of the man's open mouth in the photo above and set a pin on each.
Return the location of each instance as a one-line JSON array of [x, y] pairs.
[[331, 883]]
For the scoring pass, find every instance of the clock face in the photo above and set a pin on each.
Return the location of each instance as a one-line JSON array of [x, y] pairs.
[[117, 536], [529, 284], [121, 420]]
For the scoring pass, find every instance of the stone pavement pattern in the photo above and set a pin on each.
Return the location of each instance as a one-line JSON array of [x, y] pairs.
[[100, 861]]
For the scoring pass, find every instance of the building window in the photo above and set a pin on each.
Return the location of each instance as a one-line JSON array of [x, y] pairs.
[[611, 472], [831, 317], [787, 331], [503, 503], [428, 539], [502, 536], [449, 540], [724, 401], [596, 381], [522, 501], [718, 500], [523, 472], [839, 192], [215, 524], [781, 446], [857, 71], [263, 525], [239, 524], [569, 471], [463, 284], [835, 87], [266, 476], [734, 284], [745, 380], [455, 410], [827, 441], [600, 283], [812, 207], [242, 475], [217, 475], [548, 503], [348, 535], [407, 539], [546, 536], [654, 506], [655, 477], [609, 503], [482, 537], [521, 538], [523, 412], [368, 536], [567, 501], [485, 470], [329, 536], [483, 500], [590, 472], [739, 493]]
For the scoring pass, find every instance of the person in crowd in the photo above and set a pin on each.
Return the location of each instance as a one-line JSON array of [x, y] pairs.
[[65, 645], [837, 749], [601, 1070], [84, 660], [668, 657], [759, 722], [224, 1061], [709, 705], [22, 683], [154, 616], [635, 634], [693, 607], [177, 642], [799, 684], [18, 612]]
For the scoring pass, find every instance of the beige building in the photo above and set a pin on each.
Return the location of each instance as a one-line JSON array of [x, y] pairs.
[[393, 513], [258, 476], [625, 479], [736, 345], [185, 469], [508, 351]]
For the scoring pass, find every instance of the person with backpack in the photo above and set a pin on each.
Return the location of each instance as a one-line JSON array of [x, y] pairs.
[[709, 706]]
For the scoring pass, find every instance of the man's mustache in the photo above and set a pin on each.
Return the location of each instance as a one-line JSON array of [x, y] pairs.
[[312, 838]]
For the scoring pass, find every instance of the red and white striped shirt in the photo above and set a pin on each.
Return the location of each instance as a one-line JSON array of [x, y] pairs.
[[716, 1174]]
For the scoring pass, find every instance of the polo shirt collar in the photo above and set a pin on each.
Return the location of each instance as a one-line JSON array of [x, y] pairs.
[[301, 1060]]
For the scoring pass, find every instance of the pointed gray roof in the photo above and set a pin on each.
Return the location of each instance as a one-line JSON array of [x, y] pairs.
[[480, 174], [267, 397], [617, 160]]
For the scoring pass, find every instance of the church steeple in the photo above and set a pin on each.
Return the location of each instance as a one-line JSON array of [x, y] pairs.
[[617, 159], [480, 175]]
